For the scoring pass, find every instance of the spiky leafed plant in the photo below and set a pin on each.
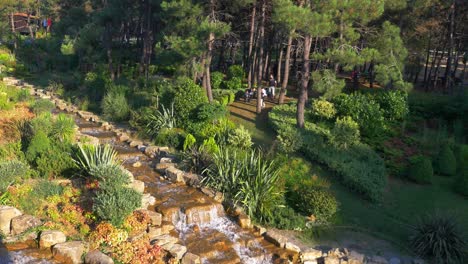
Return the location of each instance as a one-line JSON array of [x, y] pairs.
[[164, 118], [90, 157], [63, 128], [438, 237]]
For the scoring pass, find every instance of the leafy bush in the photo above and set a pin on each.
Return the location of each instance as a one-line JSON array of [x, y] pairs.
[[189, 142], [240, 137], [394, 104], [55, 161], [345, 133], [420, 169], [322, 109], [232, 98], [187, 97], [210, 145], [111, 174], [438, 237], [216, 79], [5, 103], [234, 83], [39, 144], [44, 188], [209, 112], [224, 100], [43, 122], [63, 128], [461, 181], [114, 203], [115, 106], [41, 106], [90, 157], [196, 159], [289, 139], [446, 164], [236, 71], [318, 203], [164, 118], [12, 150], [10, 172], [171, 137], [286, 218], [23, 95]]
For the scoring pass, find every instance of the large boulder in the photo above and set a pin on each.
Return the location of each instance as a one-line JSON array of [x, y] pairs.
[[275, 238], [190, 258], [6, 214], [138, 186], [50, 238], [22, 223], [175, 175], [311, 254], [176, 250], [97, 257], [69, 252]]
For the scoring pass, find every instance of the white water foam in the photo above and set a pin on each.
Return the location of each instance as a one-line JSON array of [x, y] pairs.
[[19, 257]]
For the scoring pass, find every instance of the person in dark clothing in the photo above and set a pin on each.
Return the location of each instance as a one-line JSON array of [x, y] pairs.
[[271, 87]]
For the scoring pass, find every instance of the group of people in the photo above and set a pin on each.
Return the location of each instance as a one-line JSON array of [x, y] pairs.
[[265, 93]]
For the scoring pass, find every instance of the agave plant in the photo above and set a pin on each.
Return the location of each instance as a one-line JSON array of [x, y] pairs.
[[90, 157], [63, 128], [438, 237], [164, 118]]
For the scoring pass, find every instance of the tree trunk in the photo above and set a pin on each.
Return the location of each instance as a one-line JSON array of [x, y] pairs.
[[448, 77], [108, 45], [251, 44], [278, 63], [29, 27], [427, 58], [304, 82], [284, 85], [13, 31], [429, 75], [266, 71], [260, 58]]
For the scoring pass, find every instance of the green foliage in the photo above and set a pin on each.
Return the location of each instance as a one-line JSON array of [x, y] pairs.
[[111, 174], [11, 151], [210, 145], [421, 170], [209, 112], [216, 79], [90, 157], [438, 237], [325, 82], [367, 113], [44, 188], [55, 161], [5, 103], [345, 133], [224, 100], [196, 159], [187, 97], [23, 95], [319, 203], [42, 106], [159, 119], [446, 164], [394, 104], [289, 139], [42, 123], [172, 137], [63, 128], [234, 83], [240, 137], [286, 218], [189, 142], [38, 145], [114, 203], [10, 172], [323, 109], [461, 181], [236, 71], [232, 98], [115, 106]]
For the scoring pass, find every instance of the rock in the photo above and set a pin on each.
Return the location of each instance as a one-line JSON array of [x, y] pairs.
[[135, 143], [208, 191], [97, 257], [311, 254], [166, 229], [418, 261], [136, 164], [138, 186], [310, 262], [192, 179], [69, 252], [175, 175], [244, 221], [190, 258], [163, 151], [123, 137], [394, 260], [275, 238], [147, 200], [166, 160], [331, 260], [162, 167], [260, 229], [49, 238], [377, 260], [355, 257], [154, 232], [151, 151], [165, 240], [83, 138], [292, 247], [6, 214], [155, 217], [177, 251], [22, 223]]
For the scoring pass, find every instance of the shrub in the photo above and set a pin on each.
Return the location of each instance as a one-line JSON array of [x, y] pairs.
[[240, 137], [236, 71], [394, 104], [210, 146], [224, 100], [209, 112], [111, 174], [420, 169], [63, 128], [461, 181], [446, 164], [438, 237], [196, 159], [160, 119], [286, 218], [345, 133], [115, 106], [322, 109], [23, 95], [44, 188], [39, 144], [232, 98], [289, 139], [10, 172], [55, 161], [171, 137], [233, 84], [318, 203], [189, 142], [90, 157], [5, 103], [114, 203], [187, 97], [216, 79], [41, 106]]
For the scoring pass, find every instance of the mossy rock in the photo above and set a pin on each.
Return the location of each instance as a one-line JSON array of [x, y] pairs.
[[446, 163], [421, 170]]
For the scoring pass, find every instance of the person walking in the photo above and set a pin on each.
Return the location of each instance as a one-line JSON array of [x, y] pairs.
[[263, 96], [271, 87]]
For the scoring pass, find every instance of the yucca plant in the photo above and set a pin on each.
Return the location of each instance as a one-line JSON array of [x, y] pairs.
[[438, 237], [164, 118], [63, 128], [90, 157]]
